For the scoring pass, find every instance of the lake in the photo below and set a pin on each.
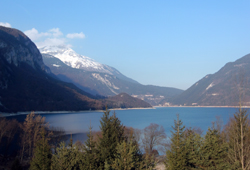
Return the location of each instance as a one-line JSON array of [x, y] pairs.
[[78, 122]]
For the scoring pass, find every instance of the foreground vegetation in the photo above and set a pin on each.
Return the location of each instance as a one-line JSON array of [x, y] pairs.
[[218, 149], [121, 148]]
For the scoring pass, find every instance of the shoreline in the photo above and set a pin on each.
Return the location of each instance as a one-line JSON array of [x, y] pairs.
[[113, 109], [207, 106], [65, 112], [135, 108]]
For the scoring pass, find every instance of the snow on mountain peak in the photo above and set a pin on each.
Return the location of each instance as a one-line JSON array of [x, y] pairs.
[[74, 60]]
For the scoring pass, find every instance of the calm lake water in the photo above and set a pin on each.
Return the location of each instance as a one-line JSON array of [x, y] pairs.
[[77, 123]]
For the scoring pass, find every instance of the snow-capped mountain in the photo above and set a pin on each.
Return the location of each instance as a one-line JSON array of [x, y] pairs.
[[97, 78], [26, 83], [77, 61], [74, 60]]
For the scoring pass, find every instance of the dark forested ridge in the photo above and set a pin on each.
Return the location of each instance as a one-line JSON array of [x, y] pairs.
[[27, 89], [123, 100]]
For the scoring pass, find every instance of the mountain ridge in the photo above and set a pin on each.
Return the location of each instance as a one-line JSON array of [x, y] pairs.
[[220, 88], [27, 84], [69, 57], [14, 38], [106, 84]]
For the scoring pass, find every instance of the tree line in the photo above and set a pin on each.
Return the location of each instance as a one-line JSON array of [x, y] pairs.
[[218, 149], [38, 146], [117, 147]]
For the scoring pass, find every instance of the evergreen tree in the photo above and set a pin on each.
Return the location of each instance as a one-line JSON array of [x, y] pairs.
[[112, 135], [67, 158], [192, 148], [131, 144], [213, 151], [126, 156], [107, 165], [176, 155], [89, 158], [147, 162], [42, 154]]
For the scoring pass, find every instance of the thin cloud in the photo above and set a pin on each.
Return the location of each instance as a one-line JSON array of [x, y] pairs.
[[34, 35], [55, 32], [53, 42], [53, 37], [5, 24], [76, 35]]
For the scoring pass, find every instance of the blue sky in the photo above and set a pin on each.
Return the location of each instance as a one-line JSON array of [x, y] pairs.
[[164, 43]]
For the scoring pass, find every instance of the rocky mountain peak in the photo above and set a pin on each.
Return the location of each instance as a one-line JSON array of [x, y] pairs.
[[17, 48], [74, 60]]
